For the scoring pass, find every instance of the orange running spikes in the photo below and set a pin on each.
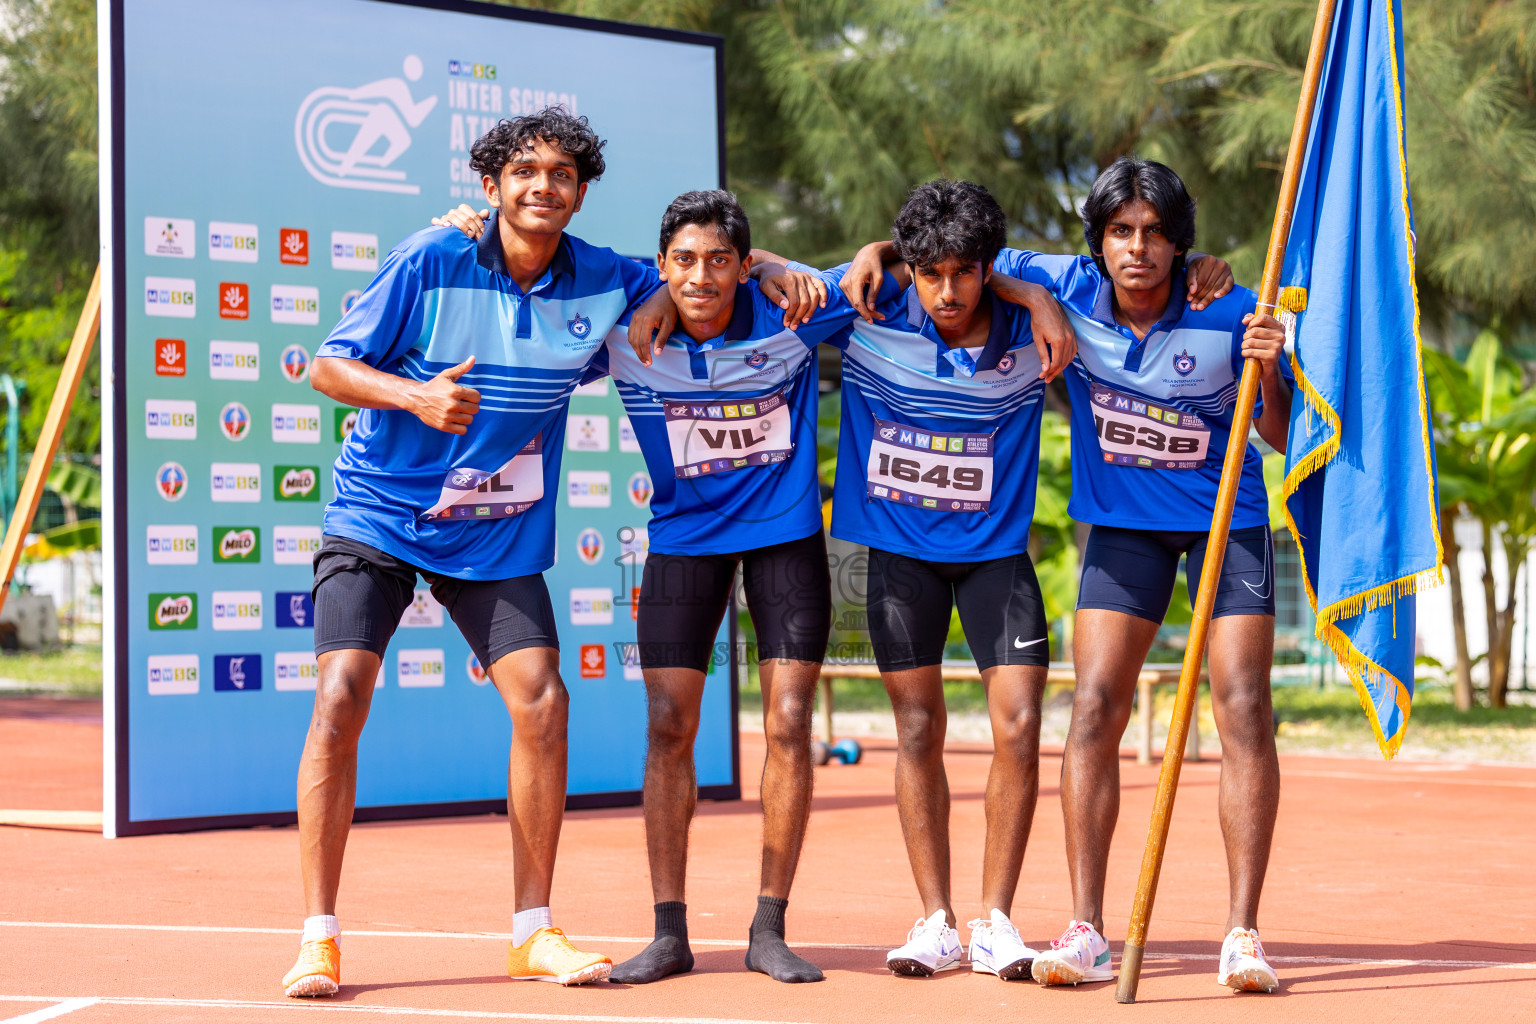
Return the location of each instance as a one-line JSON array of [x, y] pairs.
[[318, 972], [549, 956]]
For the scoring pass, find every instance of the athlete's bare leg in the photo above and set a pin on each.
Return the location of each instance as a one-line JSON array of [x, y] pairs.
[[1241, 651], [529, 683], [1108, 649], [1014, 693], [789, 695], [671, 793], [328, 772], [922, 787], [671, 788]]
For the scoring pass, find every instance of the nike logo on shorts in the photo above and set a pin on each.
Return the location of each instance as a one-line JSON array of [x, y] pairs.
[[1019, 643], [1267, 579]]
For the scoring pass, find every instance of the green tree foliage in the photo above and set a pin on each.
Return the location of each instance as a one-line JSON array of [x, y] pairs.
[[48, 206]]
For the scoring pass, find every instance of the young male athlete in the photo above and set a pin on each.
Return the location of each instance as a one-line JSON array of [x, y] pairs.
[[1153, 391], [724, 410], [937, 462], [938, 458], [462, 356]]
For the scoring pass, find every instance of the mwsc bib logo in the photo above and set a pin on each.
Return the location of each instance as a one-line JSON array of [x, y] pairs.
[[338, 132]]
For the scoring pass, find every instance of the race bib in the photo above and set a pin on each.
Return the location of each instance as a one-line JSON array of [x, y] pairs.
[[944, 472], [719, 437], [477, 495], [1133, 432]]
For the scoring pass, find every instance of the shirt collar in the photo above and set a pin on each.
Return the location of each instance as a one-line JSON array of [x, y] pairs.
[[999, 334], [488, 254]]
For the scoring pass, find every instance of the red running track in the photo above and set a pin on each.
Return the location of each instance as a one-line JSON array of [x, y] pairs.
[[1397, 892]]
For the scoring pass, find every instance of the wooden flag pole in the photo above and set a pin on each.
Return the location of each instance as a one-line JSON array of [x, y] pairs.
[[1221, 522], [53, 430]]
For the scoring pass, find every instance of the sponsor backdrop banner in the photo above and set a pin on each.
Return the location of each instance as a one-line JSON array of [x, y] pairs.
[[264, 159]]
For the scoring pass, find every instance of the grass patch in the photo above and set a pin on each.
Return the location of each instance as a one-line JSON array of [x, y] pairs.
[[68, 670], [1433, 708]]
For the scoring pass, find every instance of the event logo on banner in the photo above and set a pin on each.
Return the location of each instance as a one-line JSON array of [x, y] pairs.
[[295, 545], [295, 670], [236, 672], [170, 545], [234, 360], [348, 138], [172, 674]]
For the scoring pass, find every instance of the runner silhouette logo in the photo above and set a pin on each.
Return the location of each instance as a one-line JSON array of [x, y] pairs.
[[339, 132]]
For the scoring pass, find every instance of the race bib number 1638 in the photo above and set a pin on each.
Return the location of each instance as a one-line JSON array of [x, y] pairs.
[[1134, 432]]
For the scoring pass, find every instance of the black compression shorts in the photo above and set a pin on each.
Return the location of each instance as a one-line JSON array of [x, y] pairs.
[[999, 602], [1134, 571], [684, 597], [361, 592]]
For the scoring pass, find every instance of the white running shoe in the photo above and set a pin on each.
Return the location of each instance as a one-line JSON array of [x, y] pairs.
[[997, 949], [1243, 967], [1081, 954], [932, 946]]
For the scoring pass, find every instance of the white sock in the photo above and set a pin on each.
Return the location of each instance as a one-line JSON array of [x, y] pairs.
[[526, 922], [321, 926]]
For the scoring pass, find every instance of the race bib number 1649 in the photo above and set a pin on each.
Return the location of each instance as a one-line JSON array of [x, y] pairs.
[[943, 472]]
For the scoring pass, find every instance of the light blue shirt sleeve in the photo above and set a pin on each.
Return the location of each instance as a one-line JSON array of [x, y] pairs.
[[1040, 268]]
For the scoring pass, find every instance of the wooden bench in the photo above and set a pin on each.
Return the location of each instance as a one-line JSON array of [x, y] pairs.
[[967, 672]]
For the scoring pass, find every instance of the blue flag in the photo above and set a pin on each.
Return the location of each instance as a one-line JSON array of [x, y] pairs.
[[1360, 467]]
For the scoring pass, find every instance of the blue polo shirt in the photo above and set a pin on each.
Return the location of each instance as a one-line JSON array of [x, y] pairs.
[[1136, 403], [481, 505], [939, 447], [728, 427]]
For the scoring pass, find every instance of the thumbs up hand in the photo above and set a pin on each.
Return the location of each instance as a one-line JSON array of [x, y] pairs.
[[443, 403]]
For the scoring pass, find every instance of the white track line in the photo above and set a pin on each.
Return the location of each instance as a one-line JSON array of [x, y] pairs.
[[729, 943], [50, 1012], [499, 936], [311, 1006]]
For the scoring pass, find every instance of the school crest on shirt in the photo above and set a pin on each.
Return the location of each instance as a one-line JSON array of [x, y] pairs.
[[756, 358], [579, 326], [1184, 364], [1006, 364]]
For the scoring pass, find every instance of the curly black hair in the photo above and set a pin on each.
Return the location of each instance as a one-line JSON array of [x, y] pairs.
[[556, 125], [1129, 179], [946, 219], [713, 207]]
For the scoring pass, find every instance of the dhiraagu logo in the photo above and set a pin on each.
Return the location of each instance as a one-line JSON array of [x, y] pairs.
[[296, 483], [173, 611], [237, 544]]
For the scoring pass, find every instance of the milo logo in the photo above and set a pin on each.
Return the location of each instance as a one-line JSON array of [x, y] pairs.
[[172, 611], [236, 544], [296, 483]]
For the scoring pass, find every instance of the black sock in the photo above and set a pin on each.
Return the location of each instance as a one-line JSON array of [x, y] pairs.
[[767, 952], [667, 954]]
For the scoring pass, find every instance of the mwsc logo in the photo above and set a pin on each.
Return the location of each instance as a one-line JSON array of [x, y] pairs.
[[337, 132]]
